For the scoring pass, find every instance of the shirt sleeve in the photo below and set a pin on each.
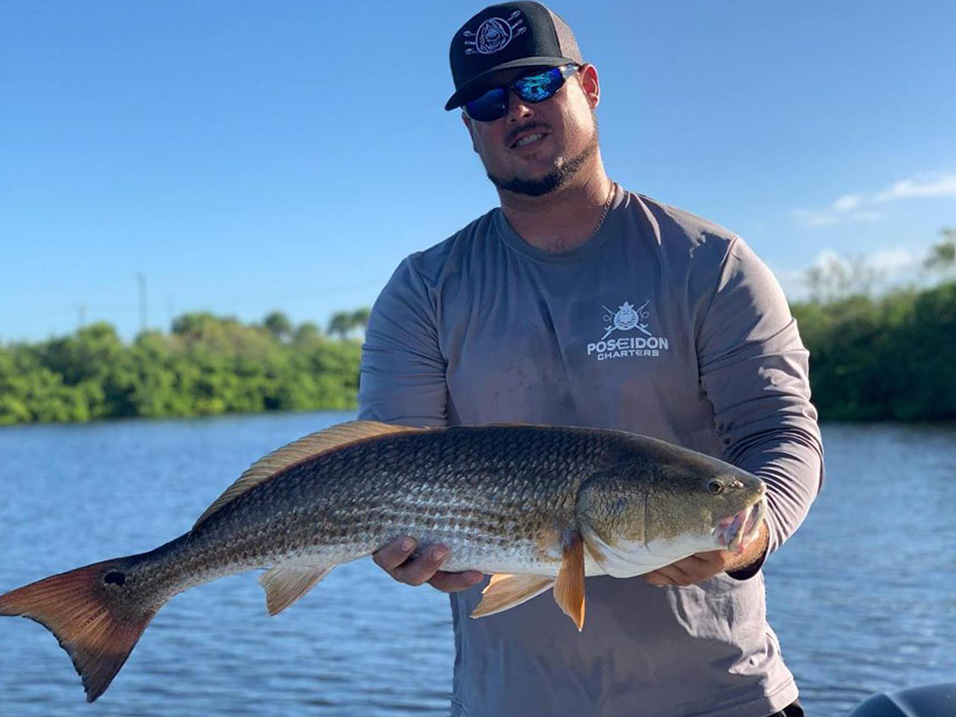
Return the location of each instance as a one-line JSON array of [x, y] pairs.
[[754, 370], [402, 377]]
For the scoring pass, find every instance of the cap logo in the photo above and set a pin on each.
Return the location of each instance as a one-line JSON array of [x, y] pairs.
[[493, 34]]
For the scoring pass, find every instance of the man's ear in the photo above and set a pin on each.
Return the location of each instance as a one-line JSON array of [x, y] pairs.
[[590, 84], [471, 131]]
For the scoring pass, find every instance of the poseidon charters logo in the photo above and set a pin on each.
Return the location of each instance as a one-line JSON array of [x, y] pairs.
[[626, 320]]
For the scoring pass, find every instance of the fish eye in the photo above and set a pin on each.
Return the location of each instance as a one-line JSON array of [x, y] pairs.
[[715, 487]]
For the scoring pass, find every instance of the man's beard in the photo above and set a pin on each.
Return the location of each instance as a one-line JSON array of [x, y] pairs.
[[551, 181]]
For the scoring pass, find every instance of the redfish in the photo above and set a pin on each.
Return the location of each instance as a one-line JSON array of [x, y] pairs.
[[537, 507]]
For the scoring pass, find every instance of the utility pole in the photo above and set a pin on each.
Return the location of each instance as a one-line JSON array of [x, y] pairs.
[[142, 301], [81, 315]]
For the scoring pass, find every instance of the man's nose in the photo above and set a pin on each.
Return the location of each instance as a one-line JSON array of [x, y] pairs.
[[518, 109]]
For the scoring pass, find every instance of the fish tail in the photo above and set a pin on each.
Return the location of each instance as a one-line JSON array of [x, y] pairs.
[[93, 614]]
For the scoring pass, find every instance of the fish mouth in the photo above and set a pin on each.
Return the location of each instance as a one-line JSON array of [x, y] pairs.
[[738, 531]]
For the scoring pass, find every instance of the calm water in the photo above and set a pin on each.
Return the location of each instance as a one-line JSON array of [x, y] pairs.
[[863, 598]]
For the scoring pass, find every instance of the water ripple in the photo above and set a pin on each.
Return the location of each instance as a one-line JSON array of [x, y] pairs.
[[863, 597]]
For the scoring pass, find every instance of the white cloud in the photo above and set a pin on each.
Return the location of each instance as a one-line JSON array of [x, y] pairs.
[[859, 206], [814, 218], [893, 261], [840, 275], [888, 262], [830, 257], [940, 185], [792, 282], [847, 202], [824, 217]]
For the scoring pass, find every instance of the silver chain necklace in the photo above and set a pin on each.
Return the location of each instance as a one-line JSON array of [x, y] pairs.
[[607, 208]]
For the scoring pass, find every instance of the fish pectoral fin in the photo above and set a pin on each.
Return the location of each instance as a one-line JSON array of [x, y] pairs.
[[284, 584], [569, 587], [508, 591], [621, 561]]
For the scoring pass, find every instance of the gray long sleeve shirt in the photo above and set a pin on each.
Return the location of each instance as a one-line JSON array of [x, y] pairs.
[[662, 324]]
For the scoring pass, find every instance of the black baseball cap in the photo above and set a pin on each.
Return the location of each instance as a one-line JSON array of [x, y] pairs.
[[501, 37]]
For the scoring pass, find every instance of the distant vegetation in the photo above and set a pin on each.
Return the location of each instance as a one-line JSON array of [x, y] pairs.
[[891, 357], [206, 365]]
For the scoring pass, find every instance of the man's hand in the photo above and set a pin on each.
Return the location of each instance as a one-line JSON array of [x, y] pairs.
[[702, 566], [395, 560]]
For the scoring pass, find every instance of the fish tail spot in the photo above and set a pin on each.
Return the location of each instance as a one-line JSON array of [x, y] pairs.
[[97, 624]]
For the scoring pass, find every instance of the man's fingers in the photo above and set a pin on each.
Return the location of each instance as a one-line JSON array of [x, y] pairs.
[[668, 575], [713, 559], [421, 569], [455, 582], [395, 558], [394, 554], [689, 571]]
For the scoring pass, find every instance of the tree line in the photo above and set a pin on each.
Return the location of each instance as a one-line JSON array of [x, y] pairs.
[[889, 357], [206, 365], [886, 358]]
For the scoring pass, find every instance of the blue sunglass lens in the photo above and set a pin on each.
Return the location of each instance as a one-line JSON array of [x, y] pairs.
[[490, 106], [535, 88], [539, 88]]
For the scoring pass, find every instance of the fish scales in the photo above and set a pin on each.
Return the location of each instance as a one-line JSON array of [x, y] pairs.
[[437, 487], [505, 488]]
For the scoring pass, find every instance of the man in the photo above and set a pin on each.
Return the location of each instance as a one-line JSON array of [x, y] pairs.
[[579, 303]]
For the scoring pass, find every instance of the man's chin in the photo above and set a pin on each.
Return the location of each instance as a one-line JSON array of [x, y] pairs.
[[530, 187], [551, 180]]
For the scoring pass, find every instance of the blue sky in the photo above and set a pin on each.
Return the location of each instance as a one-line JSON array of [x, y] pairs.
[[251, 156]]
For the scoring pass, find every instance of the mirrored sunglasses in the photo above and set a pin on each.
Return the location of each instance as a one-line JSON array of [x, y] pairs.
[[531, 88]]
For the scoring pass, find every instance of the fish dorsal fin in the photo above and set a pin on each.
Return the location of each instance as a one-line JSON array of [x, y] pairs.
[[284, 584], [569, 587], [297, 451], [506, 591]]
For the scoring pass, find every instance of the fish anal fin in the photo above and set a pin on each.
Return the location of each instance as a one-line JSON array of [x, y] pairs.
[[569, 587], [307, 447], [284, 584], [507, 591]]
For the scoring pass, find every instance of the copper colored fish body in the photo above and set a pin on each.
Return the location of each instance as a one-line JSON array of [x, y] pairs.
[[537, 507]]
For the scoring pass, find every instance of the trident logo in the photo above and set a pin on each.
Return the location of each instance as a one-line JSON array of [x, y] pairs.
[[626, 318]]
